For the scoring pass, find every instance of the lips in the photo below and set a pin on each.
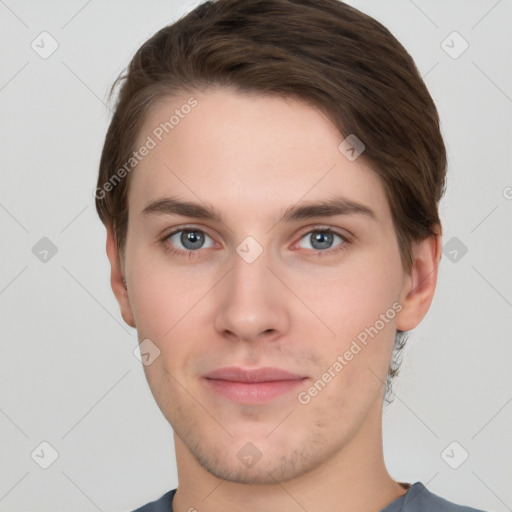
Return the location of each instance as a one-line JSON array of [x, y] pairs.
[[252, 386], [266, 374]]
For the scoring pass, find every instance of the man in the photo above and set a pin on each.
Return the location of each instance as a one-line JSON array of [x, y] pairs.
[[270, 184]]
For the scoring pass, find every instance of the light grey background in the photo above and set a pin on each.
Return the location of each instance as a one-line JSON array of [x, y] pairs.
[[68, 375]]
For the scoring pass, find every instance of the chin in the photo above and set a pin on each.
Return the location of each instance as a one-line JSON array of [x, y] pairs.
[[257, 463]]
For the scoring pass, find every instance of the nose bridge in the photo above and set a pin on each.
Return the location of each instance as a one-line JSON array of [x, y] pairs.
[[251, 303], [250, 268]]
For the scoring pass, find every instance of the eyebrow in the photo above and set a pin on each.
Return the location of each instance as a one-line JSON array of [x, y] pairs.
[[329, 208]]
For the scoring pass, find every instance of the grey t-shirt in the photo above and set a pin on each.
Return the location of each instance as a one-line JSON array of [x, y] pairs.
[[417, 499]]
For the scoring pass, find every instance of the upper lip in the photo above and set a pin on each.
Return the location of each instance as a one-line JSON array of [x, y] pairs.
[[265, 374]]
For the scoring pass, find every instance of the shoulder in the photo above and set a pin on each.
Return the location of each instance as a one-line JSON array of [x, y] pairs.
[[419, 498], [162, 504]]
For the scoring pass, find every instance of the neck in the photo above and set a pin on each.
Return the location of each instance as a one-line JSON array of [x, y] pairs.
[[353, 478]]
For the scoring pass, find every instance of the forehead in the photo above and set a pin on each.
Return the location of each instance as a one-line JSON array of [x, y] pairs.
[[248, 152]]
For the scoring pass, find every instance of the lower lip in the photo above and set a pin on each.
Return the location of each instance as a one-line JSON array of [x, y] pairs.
[[252, 392]]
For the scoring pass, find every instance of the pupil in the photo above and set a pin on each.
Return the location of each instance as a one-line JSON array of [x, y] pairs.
[[325, 239], [191, 237]]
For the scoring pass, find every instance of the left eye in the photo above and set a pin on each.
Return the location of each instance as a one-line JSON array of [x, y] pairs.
[[321, 239]]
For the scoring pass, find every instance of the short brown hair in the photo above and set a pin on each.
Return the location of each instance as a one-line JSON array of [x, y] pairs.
[[324, 52]]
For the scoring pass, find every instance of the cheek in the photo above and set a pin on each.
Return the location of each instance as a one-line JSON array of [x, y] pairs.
[[171, 307], [161, 295], [162, 300], [358, 302], [352, 296]]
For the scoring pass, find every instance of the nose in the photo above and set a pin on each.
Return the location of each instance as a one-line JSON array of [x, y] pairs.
[[252, 301]]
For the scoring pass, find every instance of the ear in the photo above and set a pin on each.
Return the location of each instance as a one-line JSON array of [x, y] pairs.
[[420, 284], [117, 278]]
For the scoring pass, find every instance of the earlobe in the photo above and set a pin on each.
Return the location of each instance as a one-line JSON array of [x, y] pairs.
[[117, 279], [419, 287]]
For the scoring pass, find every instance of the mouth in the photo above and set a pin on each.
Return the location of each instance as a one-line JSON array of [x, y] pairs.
[[254, 386]]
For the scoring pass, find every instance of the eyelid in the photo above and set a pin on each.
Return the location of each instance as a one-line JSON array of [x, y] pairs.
[[308, 229], [325, 227], [185, 227]]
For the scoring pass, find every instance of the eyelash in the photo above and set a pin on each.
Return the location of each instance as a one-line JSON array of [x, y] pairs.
[[315, 253]]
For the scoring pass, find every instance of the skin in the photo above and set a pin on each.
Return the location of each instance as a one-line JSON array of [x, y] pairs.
[[252, 156]]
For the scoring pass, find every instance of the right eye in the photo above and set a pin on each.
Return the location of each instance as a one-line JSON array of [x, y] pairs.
[[191, 239]]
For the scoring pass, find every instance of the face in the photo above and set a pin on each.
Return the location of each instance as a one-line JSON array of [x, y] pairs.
[[230, 262]]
